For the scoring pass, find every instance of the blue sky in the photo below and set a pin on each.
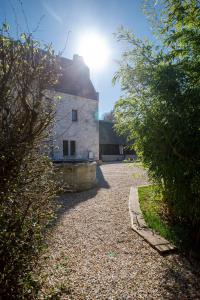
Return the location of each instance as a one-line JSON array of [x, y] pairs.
[[78, 16]]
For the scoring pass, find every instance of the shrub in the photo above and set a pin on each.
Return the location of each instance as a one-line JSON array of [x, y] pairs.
[[27, 188], [161, 107]]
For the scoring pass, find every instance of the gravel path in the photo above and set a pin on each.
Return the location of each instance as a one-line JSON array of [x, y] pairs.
[[94, 254]]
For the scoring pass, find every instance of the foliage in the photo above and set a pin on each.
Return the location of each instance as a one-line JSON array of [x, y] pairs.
[[26, 176], [153, 208], [161, 106]]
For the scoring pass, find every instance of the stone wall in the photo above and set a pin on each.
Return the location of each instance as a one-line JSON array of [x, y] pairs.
[[76, 176], [85, 131]]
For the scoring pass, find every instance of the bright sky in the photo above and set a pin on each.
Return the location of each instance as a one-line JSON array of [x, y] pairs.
[[74, 21]]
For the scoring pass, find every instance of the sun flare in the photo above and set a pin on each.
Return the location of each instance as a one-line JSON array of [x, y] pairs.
[[94, 50]]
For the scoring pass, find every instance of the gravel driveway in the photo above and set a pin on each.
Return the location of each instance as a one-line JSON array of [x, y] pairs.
[[94, 254]]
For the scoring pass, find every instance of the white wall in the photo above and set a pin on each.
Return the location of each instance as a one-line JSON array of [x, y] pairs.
[[85, 131]]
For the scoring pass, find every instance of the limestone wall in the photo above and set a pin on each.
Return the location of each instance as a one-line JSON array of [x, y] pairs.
[[76, 177], [112, 157], [85, 131]]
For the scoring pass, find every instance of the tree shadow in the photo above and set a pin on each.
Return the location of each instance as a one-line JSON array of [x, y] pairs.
[[181, 279], [69, 200]]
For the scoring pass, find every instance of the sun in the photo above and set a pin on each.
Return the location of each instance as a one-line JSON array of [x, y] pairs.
[[93, 47]]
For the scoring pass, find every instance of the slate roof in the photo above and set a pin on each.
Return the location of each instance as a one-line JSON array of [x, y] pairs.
[[75, 78], [107, 134]]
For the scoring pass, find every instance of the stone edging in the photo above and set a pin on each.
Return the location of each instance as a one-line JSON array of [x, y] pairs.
[[139, 225]]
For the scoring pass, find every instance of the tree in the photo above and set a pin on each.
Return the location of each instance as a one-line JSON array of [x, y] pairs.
[[26, 176], [161, 106]]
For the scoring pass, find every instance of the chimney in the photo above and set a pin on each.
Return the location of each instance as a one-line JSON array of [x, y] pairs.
[[78, 58]]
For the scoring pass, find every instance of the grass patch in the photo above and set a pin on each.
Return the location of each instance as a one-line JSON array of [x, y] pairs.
[[153, 209]]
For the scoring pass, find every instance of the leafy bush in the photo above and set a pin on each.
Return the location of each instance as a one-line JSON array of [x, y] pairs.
[[154, 211], [161, 108], [27, 188]]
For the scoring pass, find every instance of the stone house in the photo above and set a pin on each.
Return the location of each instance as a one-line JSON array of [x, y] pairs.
[[75, 131]]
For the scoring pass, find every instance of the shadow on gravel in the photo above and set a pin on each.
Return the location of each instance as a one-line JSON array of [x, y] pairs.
[[70, 200], [181, 282], [102, 183]]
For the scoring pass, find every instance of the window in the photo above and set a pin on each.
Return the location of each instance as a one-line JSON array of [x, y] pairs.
[[72, 147], [74, 115], [65, 148], [69, 148]]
